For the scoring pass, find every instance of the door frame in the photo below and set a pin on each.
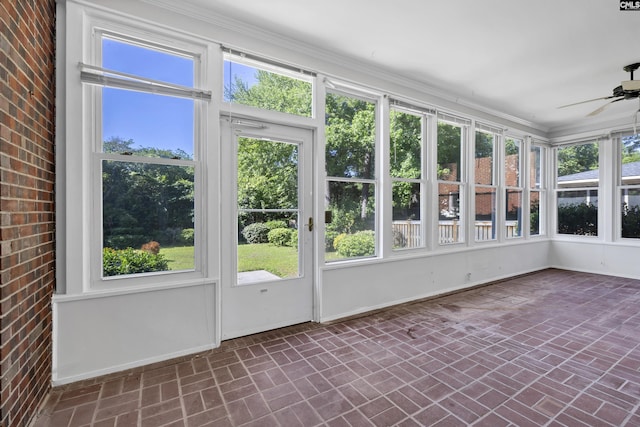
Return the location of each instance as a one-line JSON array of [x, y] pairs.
[[253, 127]]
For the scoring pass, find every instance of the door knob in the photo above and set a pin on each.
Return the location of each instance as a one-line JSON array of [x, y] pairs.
[[310, 224]]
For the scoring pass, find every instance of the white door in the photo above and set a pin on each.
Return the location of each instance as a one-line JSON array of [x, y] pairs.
[[268, 258]]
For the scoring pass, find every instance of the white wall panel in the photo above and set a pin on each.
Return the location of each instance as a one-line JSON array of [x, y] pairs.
[[358, 288], [96, 335], [615, 259]]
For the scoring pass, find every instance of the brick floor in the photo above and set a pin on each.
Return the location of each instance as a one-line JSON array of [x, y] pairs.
[[552, 348]]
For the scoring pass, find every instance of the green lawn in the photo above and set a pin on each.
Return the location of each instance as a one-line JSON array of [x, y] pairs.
[[179, 257], [279, 260]]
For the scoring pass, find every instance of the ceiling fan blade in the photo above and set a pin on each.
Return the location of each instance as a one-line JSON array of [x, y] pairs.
[[601, 109], [584, 102]]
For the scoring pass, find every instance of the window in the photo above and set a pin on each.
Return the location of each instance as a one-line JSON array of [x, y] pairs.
[[451, 136], [513, 187], [577, 189], [407, 130], [629, 186], [145, 158], [257, 83], [536, 190], [485, 186], [350, 191]]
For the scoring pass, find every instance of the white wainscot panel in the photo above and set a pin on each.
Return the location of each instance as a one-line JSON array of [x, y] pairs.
[[356, 288], [101, 334], [615, 259]]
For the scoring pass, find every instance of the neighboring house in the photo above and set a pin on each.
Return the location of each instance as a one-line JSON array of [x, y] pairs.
[[589, 181]]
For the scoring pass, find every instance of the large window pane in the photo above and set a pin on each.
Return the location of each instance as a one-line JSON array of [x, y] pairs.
[[578, 212], [535, 167], [449, 152], [147, 209], [147, 62], [267, 174], [257, 87], [149, 124], [577, 194], [484, 159], [351, 137], [407, 221], [146, 124], [534, 213], [449, 221], [485, 225], [512, 152], [351, 233], [630, 181], [513, 226], [630, 212], [406, 145]]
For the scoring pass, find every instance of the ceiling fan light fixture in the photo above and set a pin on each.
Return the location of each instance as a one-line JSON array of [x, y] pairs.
[[631, 85]]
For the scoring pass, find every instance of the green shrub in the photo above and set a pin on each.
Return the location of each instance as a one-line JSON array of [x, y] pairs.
[[131, 261], [293, 241], [630, 221], [579, 218], [280, 236], [123, 241], [329, 237], [358, 244], [276, 223], [187, 236], [257, 232], [338, 239]]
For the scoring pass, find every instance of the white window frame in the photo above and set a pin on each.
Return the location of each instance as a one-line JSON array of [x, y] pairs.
[[540, 188], [426, 116], [464, 214], [337, 88], [496, 165], [588, 189], [517, 188], [620, 186], [82, 156]]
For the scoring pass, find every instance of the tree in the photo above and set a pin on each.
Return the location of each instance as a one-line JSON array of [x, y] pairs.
[[144, 201], [273, 92], [577, 158]]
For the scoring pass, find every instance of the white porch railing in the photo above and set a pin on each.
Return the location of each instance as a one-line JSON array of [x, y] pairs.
[[407, 234]]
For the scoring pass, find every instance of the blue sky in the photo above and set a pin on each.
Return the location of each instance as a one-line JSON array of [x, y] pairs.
[[153, 120]]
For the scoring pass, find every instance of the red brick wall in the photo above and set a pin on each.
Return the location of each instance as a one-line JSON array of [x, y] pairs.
[[27, 90]]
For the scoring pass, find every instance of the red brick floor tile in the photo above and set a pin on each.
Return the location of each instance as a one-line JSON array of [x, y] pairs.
[[553, 348]]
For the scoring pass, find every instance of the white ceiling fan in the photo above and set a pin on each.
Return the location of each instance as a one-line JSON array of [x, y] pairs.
[[629, 89]]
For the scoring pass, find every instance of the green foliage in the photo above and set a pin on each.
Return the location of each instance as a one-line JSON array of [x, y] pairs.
[[123, 241], [293, 241], [280, 236], [187, 236], [275, 223], [534, 217], [630, 221], [142, 199], [336, 240], [579, 219], [449, 151], [577, 158], [273, 92], [329, 238], [131, 261], [358, 244], [257, 232]]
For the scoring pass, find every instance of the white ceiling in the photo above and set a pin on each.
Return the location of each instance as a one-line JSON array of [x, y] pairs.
[[522, 58]]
